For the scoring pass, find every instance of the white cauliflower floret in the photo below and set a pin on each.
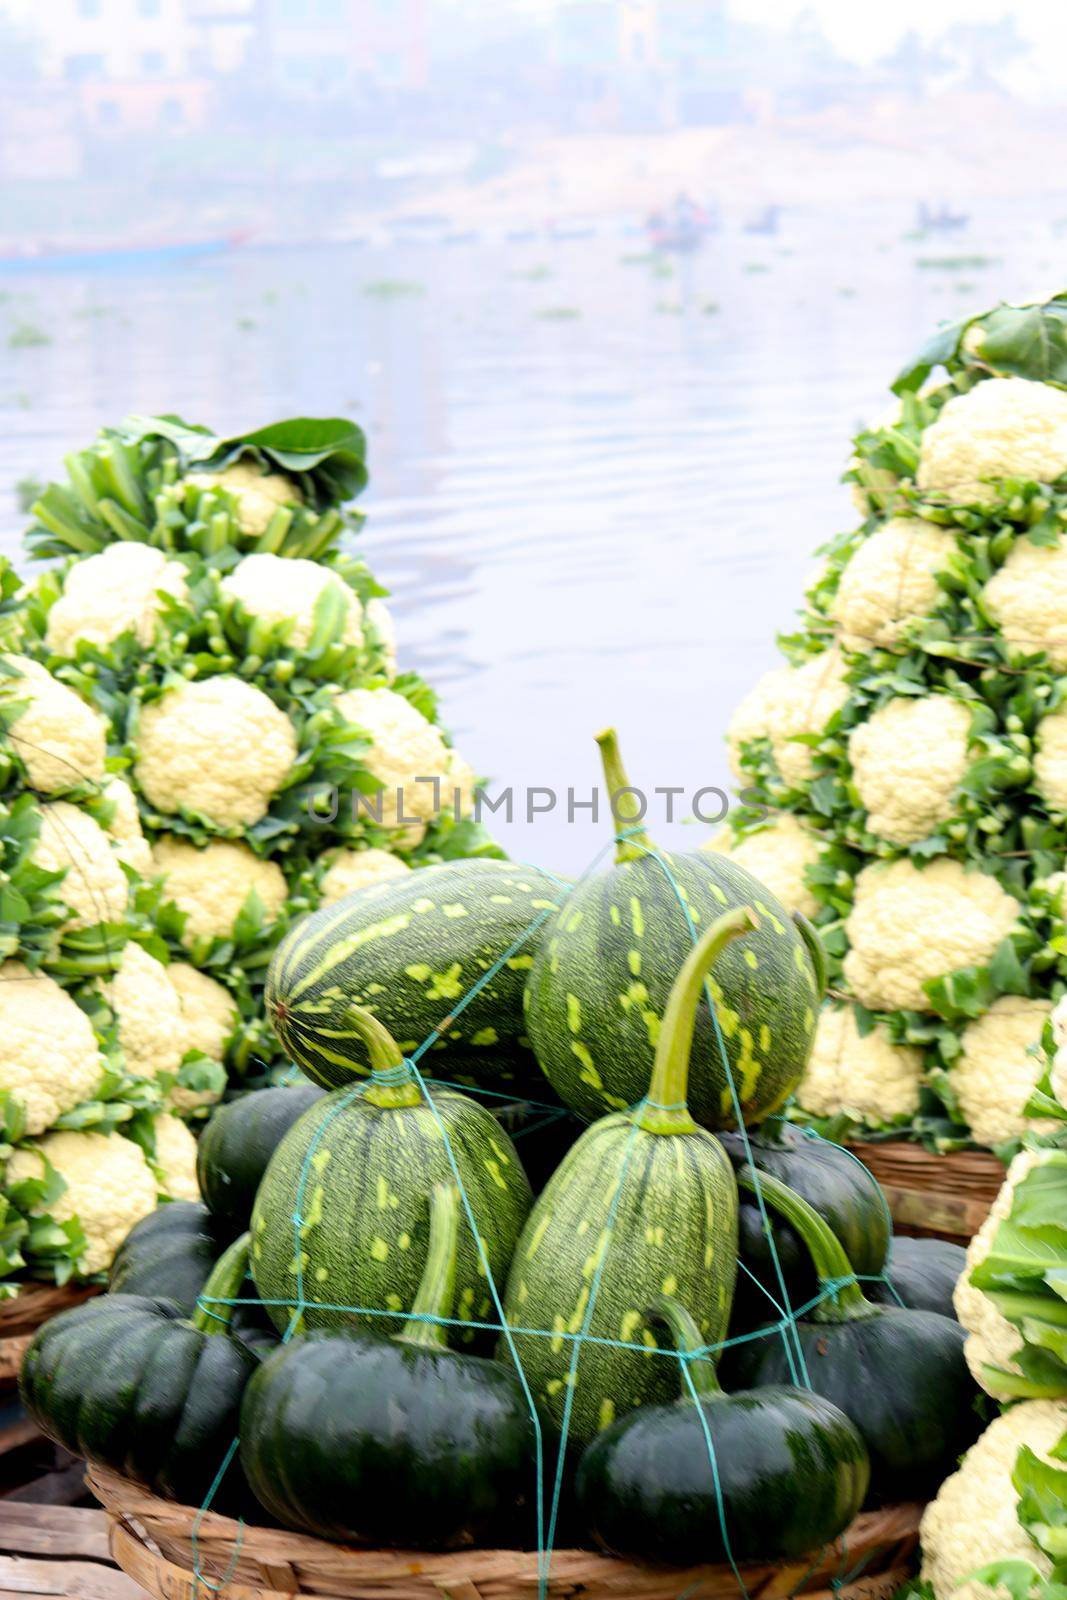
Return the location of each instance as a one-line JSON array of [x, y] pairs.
[[999, 1067], [1027, 599], [209, 1012], [908, 759], [866, 1077], [112, 593], [992, 1340], [811, 695], [220, 747], [379, 619], [175, 1158], [1002, 428], [259, 494], [891, 578], [975, 1518], [276, 589], [350, 870], [49, 1058], [109, 1187], [778, 856], [404, 749], [1058, 1070], [1050, 760], [94, 888], [148, 1013], [211, 885], [754, 714], [124, 829], [910, 925], [61, 741], [459, 788]]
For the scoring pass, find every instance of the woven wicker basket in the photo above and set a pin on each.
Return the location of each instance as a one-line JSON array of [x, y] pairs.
[[931, 1196], [152, 1541], [23, 1314]]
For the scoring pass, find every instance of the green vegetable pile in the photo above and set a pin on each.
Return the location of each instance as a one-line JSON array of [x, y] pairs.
[[203, 736], [904, 774]]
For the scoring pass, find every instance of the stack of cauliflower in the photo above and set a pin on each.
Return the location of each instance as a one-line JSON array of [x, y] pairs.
[[203, 735], [904, 774]]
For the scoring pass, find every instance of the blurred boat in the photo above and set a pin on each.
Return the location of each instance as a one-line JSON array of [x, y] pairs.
[[765, 221], [683, 226], [930, 219], [109, 257]]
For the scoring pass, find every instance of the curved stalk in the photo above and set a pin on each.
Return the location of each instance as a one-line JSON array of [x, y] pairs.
[[848, 1302], [386, 1058], [624, 807], [666, 1111], [213, 1314], [437, 1286], [816, 952], [685, 1337]]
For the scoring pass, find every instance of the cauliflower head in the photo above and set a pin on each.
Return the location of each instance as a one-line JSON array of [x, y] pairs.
[[276, 589], [866, 1077], [999, 1066], [786, 704], [211, 885], [95, 888], [1027, 599], [1050, 760], [115, 592], [148, 1014], [49, 1058], [175, 1158], [258, 493], [754, 715], [61, 741], [1002, 428], [109, 1187], [405, 748], [209, 1013], [379, 621], [350, 870], [1058, 1070], [974, 1519], [891, 579], [908, 760], [218, 746], [124, 829], [778, 855], [909, 925]]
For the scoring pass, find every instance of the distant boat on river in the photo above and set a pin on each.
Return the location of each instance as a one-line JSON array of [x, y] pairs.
[[49, 257]]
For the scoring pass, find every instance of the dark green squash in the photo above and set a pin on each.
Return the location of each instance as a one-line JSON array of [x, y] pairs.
[[237, 1143], [407, 950], [791, 1470], [921, 1274], [356, 1169], [900, 1375], [644, 1204], [399, 1441], [599, 984], [842, 1191], [169, 1253], [133, 1383]]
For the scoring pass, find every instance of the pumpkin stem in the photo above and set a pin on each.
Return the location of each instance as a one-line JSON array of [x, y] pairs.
[[665, 1110], [685, 1337], [392, 1085], [437, 1286], [624, 806], [816, 951], [847, 1302], [214, 1308]]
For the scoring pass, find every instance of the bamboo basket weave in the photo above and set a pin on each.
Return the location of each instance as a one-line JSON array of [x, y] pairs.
[[152, 1541], [23, 1314], [932, 1196]]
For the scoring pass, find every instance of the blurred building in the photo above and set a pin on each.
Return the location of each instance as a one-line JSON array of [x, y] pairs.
[[332, 48]]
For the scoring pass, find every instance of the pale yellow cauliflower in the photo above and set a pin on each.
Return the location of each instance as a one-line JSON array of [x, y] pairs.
[[49, 1058], [754, 714], [124, 829], [992, 1341], [1058, 1070], [890, 580], [276, 589], [909, 925], [975, 1518], [379, 621], [405, 748], [865, 1077], [1050, 760], [350, 870], [109, 1187], [218, 747], [94, 888], [211, 885], [61, 741], [148, 1013], [1002, 428], [1027, 599], [258, 494], [786, 704], [175, 1158], [908, 759], [209, 1012], [999, 1067], [778, 855], [112, 593]]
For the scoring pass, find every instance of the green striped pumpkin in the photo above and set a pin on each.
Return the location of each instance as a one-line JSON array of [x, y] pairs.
[[357, 1170], [644, 1205], [600, 981], [407, 950]]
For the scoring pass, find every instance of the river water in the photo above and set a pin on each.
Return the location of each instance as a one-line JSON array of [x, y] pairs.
[[597, 479]]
